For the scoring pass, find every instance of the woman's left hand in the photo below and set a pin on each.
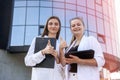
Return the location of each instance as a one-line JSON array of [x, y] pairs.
[[55, 54], [72, 59]]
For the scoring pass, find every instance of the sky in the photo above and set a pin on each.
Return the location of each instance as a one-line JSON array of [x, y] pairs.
[[117, 9]]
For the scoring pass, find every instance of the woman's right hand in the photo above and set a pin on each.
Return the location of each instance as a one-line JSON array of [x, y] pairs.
[[49, 49], [63, 43]]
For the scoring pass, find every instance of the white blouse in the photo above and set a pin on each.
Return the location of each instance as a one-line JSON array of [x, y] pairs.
[[31, 59], [86, 72]]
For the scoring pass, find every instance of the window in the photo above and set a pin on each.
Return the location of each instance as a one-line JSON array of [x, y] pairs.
[[61, 14], [30, 33], [32, 16], [91, 23], [17, 37], [19, 16], [69, 15], [45, 13], [100, 26]]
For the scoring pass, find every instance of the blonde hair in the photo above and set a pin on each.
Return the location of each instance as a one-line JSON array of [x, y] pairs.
[[45, 31], [73, 37]]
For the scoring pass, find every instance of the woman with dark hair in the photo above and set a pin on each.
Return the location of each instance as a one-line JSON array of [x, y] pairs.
[[51, 30], [78, 68]]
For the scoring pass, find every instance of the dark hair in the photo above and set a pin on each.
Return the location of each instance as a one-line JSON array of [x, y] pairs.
[[73, 37], [45, 32]]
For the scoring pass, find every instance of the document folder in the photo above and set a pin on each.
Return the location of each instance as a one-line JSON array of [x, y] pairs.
[[85, 54], [40, 44]]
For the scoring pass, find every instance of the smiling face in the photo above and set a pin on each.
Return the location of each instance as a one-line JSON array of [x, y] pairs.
[[53, 26], [77, 27]]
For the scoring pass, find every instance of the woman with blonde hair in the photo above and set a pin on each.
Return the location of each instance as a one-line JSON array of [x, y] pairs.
[[78, 68]]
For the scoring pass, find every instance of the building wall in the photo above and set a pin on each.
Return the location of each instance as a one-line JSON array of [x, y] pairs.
[[12, 67]]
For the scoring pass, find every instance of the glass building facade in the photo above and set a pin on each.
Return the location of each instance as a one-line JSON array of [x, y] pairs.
[[30, 16]]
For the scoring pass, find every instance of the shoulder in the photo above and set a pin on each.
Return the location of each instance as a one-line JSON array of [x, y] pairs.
[[91, 39]]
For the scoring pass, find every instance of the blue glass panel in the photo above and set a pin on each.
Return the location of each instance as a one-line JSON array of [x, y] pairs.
[[17, 37], [31, 32], [62, 32], [45, 13], [68, 35], [84, 17], [69, 15], [19, 16], [19, 3], [60, 14], [45, 3], [32, 3], [32, 16], [58, 5]]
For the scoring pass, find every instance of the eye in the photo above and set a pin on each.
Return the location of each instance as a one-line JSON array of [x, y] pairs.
[[56, 24], [78, 24], [73, 25], [50, 23]]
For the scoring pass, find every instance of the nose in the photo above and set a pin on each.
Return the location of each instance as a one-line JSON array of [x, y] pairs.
[[53, 25]]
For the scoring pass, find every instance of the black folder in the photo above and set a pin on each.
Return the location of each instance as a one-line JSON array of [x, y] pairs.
[[85, 54], [40, 44]]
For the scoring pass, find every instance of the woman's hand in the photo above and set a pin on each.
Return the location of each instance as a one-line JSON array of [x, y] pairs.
[[63, 43], [55, 54], [72, 59], [48, 49]]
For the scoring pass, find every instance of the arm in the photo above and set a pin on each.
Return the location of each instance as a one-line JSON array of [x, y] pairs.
[[62, 46], [31, 59], [98, 59], [75, 59]]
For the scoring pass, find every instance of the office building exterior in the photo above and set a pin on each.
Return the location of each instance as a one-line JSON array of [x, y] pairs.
[[28, 18]]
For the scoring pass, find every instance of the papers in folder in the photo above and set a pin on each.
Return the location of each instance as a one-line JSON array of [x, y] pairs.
[[40, 44], [85, 54]]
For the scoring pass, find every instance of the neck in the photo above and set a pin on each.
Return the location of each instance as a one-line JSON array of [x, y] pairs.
[[52, 35], [78, 37]]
